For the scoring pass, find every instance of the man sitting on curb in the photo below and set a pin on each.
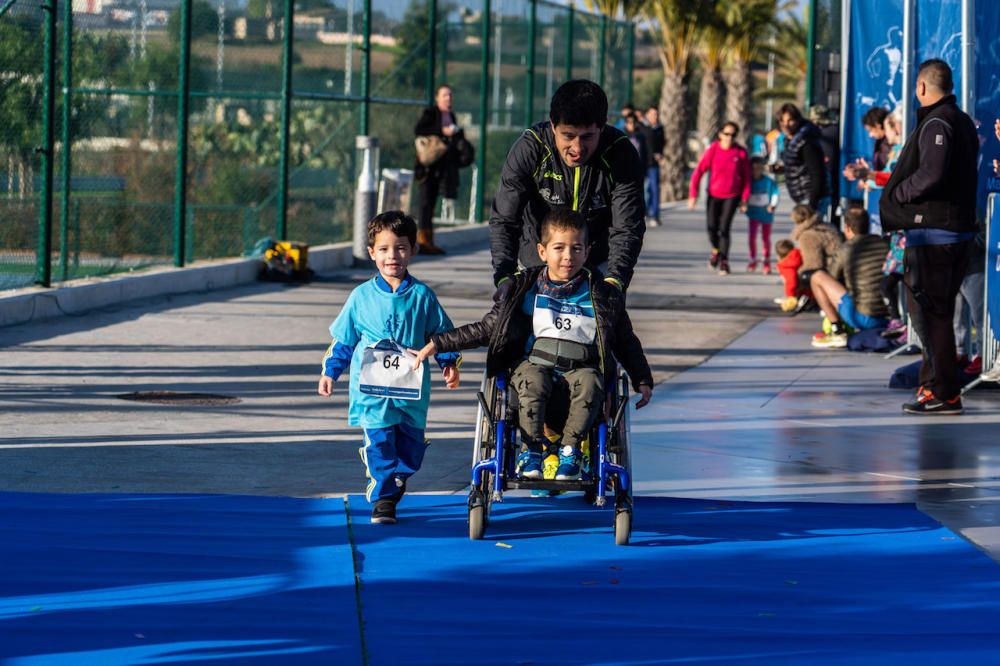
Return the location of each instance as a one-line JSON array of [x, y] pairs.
[[851, 296]]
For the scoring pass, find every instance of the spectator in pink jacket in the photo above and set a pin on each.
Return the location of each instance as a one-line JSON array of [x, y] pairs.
[[728, 166]]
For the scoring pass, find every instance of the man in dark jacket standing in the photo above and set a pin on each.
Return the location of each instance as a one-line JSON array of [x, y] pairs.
[[573, 161], [931, 194], [805, 164]]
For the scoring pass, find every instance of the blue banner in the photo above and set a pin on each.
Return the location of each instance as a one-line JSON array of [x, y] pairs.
[[993, 268], [987, 91], [873, 75], [872, 198], [939, 35]]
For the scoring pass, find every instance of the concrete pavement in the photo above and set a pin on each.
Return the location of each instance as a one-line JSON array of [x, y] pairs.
[[769, 418]]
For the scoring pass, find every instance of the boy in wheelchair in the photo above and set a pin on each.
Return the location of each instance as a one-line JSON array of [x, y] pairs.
[[560, 328]]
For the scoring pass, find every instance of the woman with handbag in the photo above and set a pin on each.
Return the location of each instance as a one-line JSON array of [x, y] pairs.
[[438, 161]]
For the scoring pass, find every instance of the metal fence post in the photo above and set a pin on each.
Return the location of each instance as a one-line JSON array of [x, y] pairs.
[[43, 262], [286, 117], [366, 149], [630, 62], [366, 66], [602, 49], [529, 91], [810, 53], [183, 96], [442, 55], [569, 43], [431, 48], [484, 99], [66, 139]]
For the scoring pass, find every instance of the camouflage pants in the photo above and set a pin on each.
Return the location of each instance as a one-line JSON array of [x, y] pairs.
[[569, 402]]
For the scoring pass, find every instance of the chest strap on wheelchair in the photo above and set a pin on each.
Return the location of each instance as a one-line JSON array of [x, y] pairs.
[[562, 355]]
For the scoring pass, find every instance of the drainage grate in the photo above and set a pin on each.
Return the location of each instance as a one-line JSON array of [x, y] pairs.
[[179, 398]]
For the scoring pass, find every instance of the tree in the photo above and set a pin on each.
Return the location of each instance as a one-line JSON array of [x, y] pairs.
[[791, 37], [675, 25], [204, 21], [711, 100], [748, 23]]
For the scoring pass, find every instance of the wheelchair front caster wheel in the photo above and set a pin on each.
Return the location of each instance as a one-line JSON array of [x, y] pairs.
[[477, 522], [623, 527]]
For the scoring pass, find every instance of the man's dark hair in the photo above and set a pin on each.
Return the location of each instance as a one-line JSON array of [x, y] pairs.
[[652, 107], [559, 219], [936, 72], [757, 159], [856, 219], [395, 221], [783, 247], [874, 117], [789, 109], [579, 103], [730, 123]]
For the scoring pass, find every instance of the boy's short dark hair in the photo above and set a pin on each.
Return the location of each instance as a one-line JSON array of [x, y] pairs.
[[395, 221], [856, 219], [874, 117], [783, 247], [757, 159], [559, 219], [579, 103]]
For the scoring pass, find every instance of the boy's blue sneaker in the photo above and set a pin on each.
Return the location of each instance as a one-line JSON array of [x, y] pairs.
[[569, 464], [529, 465]]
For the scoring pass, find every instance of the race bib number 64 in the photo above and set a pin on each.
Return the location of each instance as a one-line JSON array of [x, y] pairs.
[[387, 372]]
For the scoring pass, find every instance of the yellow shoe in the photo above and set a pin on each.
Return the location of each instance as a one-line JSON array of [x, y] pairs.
[[789, 304], [549, 466]]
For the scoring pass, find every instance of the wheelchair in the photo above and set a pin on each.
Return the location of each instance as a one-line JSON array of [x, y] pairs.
[[497, 445]]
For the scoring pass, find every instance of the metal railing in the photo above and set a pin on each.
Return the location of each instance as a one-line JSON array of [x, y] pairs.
[[243, 120]]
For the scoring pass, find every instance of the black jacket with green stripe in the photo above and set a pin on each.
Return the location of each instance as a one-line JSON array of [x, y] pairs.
[[607, 191]]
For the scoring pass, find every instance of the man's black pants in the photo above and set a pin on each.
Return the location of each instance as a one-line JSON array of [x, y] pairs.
[[933, 275], [720, 219]]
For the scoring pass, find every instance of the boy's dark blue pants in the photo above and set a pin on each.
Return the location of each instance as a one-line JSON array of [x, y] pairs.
[[391, 455]]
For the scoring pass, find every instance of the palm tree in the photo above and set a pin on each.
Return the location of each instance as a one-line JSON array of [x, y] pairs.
[[791, 36], [711, 97], [675, 25], [747, 23], [618, 39]]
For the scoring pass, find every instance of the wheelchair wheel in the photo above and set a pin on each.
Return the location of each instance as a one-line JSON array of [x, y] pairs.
[[477, 522], [621, 455], [481, 494], [623, 526]]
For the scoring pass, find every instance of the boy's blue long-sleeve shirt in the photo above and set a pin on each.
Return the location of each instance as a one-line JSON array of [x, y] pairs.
[[373, 312], [763, 193]]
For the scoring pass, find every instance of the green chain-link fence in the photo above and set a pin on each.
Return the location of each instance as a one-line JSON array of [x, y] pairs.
[[265, 118]]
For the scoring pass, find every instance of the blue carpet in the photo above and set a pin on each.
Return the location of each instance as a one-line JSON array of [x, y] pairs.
[[126, 579], [705, 582], [119, 579]]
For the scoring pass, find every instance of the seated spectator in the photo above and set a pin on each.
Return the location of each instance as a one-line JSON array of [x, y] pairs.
[[849, 294], [818, 241], [789, 262]]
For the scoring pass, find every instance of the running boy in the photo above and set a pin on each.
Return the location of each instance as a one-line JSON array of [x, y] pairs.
[[760, 211], [381, 320], [559, 327]]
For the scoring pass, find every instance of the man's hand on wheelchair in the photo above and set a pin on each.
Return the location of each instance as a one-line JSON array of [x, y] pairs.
[[646, 391]]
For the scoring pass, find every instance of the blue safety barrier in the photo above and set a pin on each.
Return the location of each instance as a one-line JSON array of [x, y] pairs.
[[993, 268]]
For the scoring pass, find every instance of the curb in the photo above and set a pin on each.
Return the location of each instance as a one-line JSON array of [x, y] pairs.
[[21, 306]]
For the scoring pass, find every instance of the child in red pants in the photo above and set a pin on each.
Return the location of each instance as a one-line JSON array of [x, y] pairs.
[[789, 263]]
